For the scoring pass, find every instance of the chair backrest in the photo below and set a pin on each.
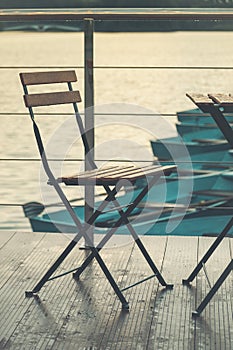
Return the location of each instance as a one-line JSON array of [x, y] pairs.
[[50, 98], [69, 96]]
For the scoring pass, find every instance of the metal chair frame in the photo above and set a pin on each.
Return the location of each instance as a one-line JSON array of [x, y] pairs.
[[73, 97]]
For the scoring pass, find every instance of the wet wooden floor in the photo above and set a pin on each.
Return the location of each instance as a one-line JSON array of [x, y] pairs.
[[87, 315]]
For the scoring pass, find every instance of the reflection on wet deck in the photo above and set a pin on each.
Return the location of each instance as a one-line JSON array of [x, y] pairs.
[[87, 314]]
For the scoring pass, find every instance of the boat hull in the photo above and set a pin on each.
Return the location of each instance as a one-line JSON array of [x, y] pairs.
[[60, 221], [189, 132], [174, 148], [197, 117], [194, 224]]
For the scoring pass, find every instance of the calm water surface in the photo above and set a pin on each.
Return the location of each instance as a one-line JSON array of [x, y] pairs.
[[158, 90]]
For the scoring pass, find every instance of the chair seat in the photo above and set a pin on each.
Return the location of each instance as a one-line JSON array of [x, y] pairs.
[[111, 175]]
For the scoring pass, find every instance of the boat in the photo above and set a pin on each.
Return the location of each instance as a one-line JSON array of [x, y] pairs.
[[207, 215], [164, 203], [198, 138], [189, 131], [197, 117], [176, 147], [197, 221]]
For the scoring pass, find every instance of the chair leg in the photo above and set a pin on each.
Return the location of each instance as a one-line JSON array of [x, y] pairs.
[[54, 267], [62, 257], [124, 216], [152, 264], [82, 233], [124, 219], [125, 304], [214, 289], [95, 254], [208, 253]]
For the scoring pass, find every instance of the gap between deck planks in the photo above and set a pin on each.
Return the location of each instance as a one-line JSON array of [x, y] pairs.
[[85, 314]]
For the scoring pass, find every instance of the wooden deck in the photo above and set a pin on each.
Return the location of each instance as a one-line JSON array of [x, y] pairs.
[[86, 315]]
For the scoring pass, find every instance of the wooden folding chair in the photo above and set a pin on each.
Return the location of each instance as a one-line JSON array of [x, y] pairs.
[[216, 105], [112, 179]]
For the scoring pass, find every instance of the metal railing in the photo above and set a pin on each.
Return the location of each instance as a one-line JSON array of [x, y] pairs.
[[89, 16]]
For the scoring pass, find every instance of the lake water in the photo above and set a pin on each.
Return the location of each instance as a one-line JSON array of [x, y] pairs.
[[159, 91]]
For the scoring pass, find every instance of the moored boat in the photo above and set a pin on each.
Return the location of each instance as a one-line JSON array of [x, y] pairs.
[[175, 147], [197, 117], [158, 209], [188, 131]]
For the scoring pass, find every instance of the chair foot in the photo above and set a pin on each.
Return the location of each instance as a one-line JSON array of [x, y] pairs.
[[29, 294], [169, 286], [195, 314], [185, 282], [75, 277]]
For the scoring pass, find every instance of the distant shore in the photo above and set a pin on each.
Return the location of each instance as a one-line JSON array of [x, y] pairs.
[[121, 26]]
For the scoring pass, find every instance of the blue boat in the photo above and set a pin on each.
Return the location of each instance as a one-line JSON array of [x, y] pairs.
[[207, 215], [197, 140], [197, 117], [188, 131], [196, 222], [175, 147], [166, 205]]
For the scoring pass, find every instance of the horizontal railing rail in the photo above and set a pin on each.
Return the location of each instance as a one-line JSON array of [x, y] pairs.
[[122, 67]]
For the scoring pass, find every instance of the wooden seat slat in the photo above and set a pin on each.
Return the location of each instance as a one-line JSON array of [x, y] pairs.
[[95, 171], [52, 98], [120, 170], [37, 78], [133, 173], [108, 171]]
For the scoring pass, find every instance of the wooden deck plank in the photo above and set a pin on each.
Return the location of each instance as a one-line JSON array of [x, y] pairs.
[[5, 236], [50, 312], [14, 305], [210, 328], [131, 331], [87, 315], [172, 326], [15, 252], [108, 328], [97, 305]]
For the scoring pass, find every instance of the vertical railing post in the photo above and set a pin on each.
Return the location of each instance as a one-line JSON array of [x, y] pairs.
[[89, 113]]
